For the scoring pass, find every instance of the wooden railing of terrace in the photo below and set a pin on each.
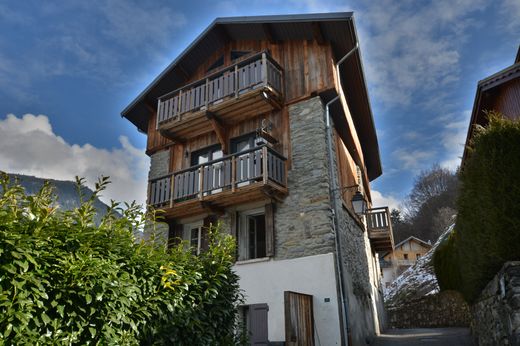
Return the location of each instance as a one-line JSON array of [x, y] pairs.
[[229, 180], [379, 228], [251, 86]]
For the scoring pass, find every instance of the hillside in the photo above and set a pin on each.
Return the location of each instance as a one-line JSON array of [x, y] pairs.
[[66, 191], [417, 281]]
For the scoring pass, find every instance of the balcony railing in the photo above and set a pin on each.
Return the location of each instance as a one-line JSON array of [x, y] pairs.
[[258, 165], [379, 228], [231, 82]]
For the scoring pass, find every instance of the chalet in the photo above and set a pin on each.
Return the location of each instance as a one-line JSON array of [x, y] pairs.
[[264, 124], [404, 255], [499, 92]]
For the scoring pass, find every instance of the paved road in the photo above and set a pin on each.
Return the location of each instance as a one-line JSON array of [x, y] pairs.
[[433, 336]]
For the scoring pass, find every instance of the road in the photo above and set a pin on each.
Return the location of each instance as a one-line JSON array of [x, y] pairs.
[[432, 337]]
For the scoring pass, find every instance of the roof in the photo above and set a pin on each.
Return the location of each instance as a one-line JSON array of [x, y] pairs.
[[420, 241], [485, 86], [337, 28]]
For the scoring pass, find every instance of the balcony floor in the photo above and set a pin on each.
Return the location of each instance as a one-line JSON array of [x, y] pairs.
[[228, 111], [216, 202]]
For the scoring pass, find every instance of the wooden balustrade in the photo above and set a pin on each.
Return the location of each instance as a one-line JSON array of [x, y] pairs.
[[379, 228], [228, 173], [235, 80]]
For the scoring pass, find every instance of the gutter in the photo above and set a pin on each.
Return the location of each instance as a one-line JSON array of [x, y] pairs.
[[332, 192]]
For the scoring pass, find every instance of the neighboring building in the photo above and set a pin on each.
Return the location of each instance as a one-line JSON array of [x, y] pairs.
[[404, 255], [499, 92], [237, 132]]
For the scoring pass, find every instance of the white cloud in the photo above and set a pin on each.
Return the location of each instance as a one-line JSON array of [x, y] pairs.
[[510, 14], [453, 137], [414, 47], [380, 200], [413, 160], [29, 146]]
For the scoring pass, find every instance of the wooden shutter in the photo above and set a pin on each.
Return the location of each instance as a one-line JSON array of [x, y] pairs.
[[208, 221], [269, 230], [257, 324], [174, 233]]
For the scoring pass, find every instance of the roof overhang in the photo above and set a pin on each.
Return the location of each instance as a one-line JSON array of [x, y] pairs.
[[336, 28], [485, 88]]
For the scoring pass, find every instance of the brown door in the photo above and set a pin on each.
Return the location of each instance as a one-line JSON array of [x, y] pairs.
[[257, 324], [299, 319]]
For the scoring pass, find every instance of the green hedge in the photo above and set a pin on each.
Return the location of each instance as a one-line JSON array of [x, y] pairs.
[[487, 231], [66, 280]]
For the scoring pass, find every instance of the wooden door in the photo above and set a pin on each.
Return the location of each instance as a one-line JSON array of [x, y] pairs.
[[299, 319]]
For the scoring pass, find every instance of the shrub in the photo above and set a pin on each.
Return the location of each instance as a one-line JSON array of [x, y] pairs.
[[66, 280], [488, 222]]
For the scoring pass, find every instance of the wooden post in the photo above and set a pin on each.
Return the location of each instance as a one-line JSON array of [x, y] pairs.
[[207, 92], [172, 186], [201, 178], [233, 172], [264, 68], [157, 114], [180, 106], [236, 81], [264, 163]]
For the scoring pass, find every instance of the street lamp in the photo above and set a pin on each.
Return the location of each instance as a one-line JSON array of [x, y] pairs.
[[359, 204]]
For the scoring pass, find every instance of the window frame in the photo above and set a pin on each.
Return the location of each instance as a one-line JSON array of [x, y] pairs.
[[187, 235], [243, 234]]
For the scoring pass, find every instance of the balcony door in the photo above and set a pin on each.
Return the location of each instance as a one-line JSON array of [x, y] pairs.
[[213, 174], [247, 164]]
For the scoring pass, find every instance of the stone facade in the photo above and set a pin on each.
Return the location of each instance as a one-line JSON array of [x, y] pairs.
[[303, 222], [444, 309], [496, 313], [159, 164]]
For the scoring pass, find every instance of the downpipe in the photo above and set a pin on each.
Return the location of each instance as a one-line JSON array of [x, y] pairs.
[[333, 188]]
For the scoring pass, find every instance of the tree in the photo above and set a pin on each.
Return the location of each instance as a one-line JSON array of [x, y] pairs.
[[429, 207], [65, 279]]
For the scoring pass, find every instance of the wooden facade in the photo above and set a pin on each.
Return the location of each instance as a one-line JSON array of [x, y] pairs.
[[307, 69], [500, 93]]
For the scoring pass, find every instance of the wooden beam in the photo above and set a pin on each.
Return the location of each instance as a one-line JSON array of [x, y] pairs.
[[170, 135], [268, 33], [183, 73], [212, 208], [223, 33], [271, 194], [220, 130], [317, 34]]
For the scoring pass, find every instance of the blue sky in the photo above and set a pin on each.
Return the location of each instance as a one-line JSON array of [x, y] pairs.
[[67, 69]]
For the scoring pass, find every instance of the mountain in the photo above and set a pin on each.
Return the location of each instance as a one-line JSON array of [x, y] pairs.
[[66, 191]]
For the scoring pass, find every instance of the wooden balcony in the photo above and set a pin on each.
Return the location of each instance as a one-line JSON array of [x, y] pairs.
[[379, 229], [250, 87], [250, 175]]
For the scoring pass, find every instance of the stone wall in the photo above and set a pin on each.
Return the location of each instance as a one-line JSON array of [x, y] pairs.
[[496, 314], [159, 164], [444, 309], [303, 221]]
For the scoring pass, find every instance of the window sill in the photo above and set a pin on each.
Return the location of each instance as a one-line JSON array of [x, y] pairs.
[[255, 260]]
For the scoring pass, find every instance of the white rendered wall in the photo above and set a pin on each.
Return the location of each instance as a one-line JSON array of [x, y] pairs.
[[265, 282]]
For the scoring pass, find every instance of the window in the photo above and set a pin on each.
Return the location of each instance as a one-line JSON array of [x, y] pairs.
[[219, 62], [252, 235], [236, 54], [246, 164], [405, 256], [254, 231], [209, 154], [193, 234]]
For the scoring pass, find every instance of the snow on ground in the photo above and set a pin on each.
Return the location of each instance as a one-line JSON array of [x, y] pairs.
[[417, 281]]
